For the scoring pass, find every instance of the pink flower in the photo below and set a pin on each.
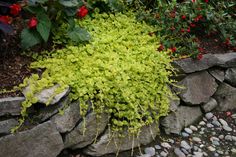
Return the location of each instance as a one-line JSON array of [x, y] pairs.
[[33, 22]]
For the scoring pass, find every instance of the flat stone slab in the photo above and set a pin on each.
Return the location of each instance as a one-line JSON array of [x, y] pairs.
[[197, 88], [189, 65], [42, 141], [11, 106], [230, 76], [107, 145], [7, 125]]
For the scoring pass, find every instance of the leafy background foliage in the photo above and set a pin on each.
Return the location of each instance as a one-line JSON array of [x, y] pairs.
[[119, 71]]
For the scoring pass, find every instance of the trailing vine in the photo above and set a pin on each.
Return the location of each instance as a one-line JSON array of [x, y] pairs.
[[119, 70]]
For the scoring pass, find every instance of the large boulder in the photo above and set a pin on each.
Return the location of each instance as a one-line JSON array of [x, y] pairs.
[[189, 65], [45, 95], [230, 76], [184, 116], [66, 122], [196, 88], [7, 125], [42, 141], [83, 135], [226, 97], [107, 143], [11, 106]]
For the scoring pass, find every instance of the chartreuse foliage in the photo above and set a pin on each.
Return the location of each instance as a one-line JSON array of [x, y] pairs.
[[120, 71]]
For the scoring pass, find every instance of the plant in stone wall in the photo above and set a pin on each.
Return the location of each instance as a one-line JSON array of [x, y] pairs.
[[120, 71]]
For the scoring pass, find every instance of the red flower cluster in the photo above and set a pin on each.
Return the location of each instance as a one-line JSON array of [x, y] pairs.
[[173, 49], [5, 19], [33, 22], [199, 56], [15, 9], [82, 12]]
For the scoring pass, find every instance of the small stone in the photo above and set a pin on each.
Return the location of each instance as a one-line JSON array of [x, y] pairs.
[[163, 153], [227, 128], [221, 137], [171, 141], [194, 128], [189, 131], [220, 152], [209, 115], [184, 151], [205, 154], [184, 134], [197, 139], [202, 123], [195, 148], [216, 154], [209, 125], [166, 145], [201, 146], [201, 132], [150, 151], [185, 145], [234, 138], [215, 143], [216, 123], [228, 138], [223, 122], [145, 155], [214, 139], [197, 154], [210, 148], [179, 153], [158, 147], [233, 150]]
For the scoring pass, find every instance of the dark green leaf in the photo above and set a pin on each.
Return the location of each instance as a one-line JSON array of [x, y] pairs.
[[79, 34], [44, 26], [29, 38], [69, 3]]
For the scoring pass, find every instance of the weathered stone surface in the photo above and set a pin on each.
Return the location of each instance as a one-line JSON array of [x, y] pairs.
[[226, 97], [189, 65], [184, 116], [42, 141], [210, 105], [11, 106], [47, 112], [106, 144], [230, 76], [94, 127], [174, 103], [198, 88], [46, 94], [67, 121], [7, 125], [218, 74]]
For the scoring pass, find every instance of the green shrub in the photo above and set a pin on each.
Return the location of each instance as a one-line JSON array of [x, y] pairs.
[[120, 71]]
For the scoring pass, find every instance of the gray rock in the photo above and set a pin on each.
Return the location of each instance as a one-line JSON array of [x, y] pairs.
[[217, 74], [82, 136], [197, 139], [184, 134], [7, 125], [166, 145], [197, 154], [189, 65], [210, 105], [202, 123], [194, 128], [209, 125], [225, 97], [227, 128], [179, 153], [221, 137], [110, 144], [158, 147], [144, 155], [210, 148], [216, 123], [195, 91], [176, 121], [185, 145], [164, 154], [223, 122], [209, 115], [234, 138], [45, 95], [11, 106], [68, 120], [184, 151], [228, 138], [42, 141], [189, 131], [230, 76], [174, 102], [150, 150]]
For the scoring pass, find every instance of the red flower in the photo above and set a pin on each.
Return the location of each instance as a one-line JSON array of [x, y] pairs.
[[227, 42], [188, 30], [161, 47], [182, 30], [173, 49], [193, 1], [192, 25], [15, 9], [183, 17], [5, 19], [228, 113], [199, 56], [33, 22], [82, 12], [200, 49], [206, 1]]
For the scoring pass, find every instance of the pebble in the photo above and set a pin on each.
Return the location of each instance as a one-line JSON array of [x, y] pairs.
[[216, 123], [205, 154], [201, 146], [158, 147], [210, 148], [179, 153], [163, 153], [202, 123], [150, 150], [227, 128], [234, 138], [189, 131], [197, 139], [220, 152], [197, 154], [228, 138], [184, 151], [145, 155], [215, 143], [233, 150], [185, 145], [171, 141], [223, 122], [214, 139], [209, 125], [194, 128], [166, 145], [184, 134], [209, 115], [221, 137]]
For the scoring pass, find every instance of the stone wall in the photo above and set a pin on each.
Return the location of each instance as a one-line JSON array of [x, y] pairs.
[[203, 86]]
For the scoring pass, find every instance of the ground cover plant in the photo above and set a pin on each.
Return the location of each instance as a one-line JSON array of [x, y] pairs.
[[120, 71]]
